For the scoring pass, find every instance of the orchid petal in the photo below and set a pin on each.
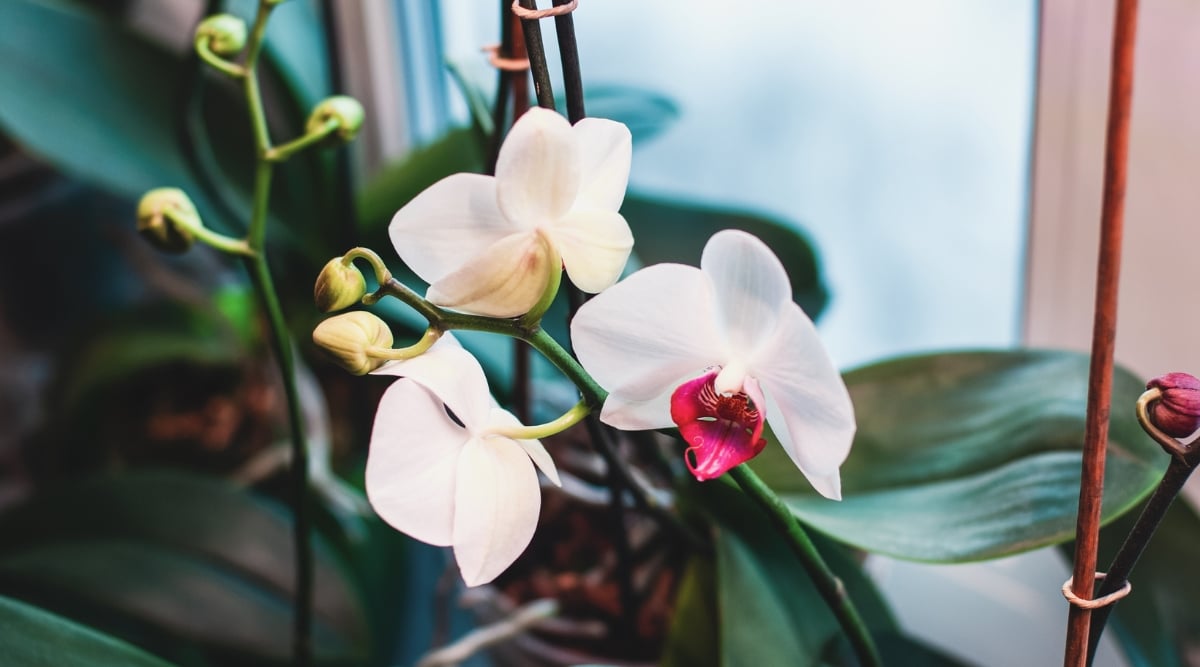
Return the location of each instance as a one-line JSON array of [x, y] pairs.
[[537, 171], [505, 280], [606, 151], [808, 406], [451, 221], [412, 464], [535, 450], [496, 507], [453, 375], [751, 287], [594, 246], [642, 336], [722, 431]]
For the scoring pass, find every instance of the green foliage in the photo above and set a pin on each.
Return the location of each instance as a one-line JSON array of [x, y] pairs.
[[971, 455], [34, 637], [180, 563]]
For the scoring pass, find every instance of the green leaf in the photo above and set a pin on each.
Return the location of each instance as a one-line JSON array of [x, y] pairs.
[[769, 612], [647, 113], [95, 98], [34, 637], [457, 151], [668, 231], [1156, 625], [971, 455], [692, 641], [178, 561]]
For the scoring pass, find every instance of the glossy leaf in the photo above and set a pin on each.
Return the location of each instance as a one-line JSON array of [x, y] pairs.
[[692, 641], [971, 455], [34, 637], [767, 610], [179, 561], [668, 231]]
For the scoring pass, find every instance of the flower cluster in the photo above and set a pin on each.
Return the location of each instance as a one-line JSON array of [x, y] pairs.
[[720, 351]]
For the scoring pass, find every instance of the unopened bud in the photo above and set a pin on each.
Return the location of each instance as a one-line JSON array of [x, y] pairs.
[[225, 34], [350, 337], [158, 228], [1177, 410], [347, 111], [339, 285]]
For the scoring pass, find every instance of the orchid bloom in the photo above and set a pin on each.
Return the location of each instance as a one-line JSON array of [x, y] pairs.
[[454, 480], [490, 245], [717, 350]]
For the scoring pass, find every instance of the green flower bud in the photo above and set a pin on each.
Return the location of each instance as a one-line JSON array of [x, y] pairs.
[[346, 110], [350, 337], [225, 34], [339, 285], [160, 230]]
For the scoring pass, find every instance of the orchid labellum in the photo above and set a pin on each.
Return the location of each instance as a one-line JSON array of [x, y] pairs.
[[716, 351], [490, 245], [454, 480]]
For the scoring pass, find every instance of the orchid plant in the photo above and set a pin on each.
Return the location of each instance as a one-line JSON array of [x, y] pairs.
[[704, 482]]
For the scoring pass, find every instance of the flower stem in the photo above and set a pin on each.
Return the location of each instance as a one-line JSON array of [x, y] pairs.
[[260, 274], [1183, 462], [209, 237], [828, 585], [568, 50], [567, 420], [537, 58], [284, 151]]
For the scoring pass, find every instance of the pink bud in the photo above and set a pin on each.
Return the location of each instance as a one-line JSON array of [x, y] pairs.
[[1177, 411]]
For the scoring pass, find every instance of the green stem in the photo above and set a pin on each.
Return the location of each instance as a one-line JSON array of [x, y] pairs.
[[209, 237], [206, 54], [260, 274], [284, 151], [567, 420], [828, 585]]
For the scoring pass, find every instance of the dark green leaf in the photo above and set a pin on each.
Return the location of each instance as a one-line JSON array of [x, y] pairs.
[[179, 561], [769, 611], [692, 641], [665, 231], [34, 637], [971, 455]]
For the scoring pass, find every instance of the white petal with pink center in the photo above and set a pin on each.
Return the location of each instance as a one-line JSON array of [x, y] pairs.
[[454, 483], [669, 325], [477, 239]]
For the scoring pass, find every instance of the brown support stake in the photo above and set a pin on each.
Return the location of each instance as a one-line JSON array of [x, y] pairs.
[[1091, 488]]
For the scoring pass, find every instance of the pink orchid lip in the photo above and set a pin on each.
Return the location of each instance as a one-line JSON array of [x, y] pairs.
[[724, 430]]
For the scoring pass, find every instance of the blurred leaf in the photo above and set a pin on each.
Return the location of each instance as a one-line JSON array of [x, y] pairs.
[[769, 611], [647, 113], [1157, 624], [692, 641], [34, 637], [96, 100], [180, 561], [395, 186], [666, 231], [971, 455]]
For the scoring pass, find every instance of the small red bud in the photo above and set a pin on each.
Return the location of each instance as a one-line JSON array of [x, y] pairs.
[[1177, 411]]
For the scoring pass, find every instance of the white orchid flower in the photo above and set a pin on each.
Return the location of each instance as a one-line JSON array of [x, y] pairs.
[[488, 245], [714, 350], [454, 481]]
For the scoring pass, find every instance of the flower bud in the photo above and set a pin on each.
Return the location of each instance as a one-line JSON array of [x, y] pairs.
[[346, 110], [1177, 411], [160, 230], [350, 337], [339, 285], [224, 33]]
